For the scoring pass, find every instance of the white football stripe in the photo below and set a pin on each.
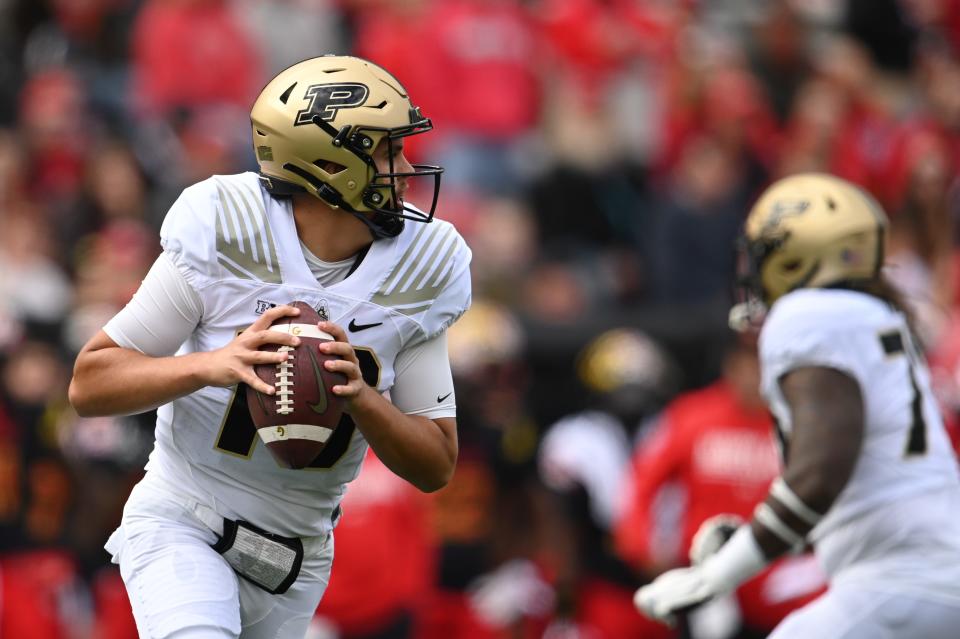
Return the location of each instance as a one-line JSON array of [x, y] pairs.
[[294, 431], [305, 330]]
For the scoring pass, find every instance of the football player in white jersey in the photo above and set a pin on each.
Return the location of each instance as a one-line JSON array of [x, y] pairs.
[[325, 221], [870, 479]]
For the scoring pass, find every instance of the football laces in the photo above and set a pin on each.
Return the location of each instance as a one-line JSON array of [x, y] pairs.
[[284, 383]]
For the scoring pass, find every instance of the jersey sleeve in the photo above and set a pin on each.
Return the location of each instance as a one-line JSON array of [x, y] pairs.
[[161, 315], [428, 280], [424, 382], [188, 235], [455, 293]]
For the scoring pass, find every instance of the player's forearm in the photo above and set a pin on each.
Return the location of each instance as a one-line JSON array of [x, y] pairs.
[[795, 505], [826, 406], [415, 448], [783, 520], [117, 381]]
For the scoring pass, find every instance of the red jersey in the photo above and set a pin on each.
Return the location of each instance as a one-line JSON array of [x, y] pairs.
[[383, 552]]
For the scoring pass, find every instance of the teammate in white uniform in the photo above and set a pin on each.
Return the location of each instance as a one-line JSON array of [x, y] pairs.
[[870, 478], [323, 222]]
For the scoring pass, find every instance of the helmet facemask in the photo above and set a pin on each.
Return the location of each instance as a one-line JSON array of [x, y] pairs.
[[749, 307], [386, 210]]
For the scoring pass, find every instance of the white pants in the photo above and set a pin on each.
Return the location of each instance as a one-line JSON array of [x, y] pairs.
[[849, 611], [180, 588]]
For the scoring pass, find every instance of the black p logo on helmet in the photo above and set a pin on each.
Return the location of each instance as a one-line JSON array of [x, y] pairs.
[[343, 110], [327, 99]]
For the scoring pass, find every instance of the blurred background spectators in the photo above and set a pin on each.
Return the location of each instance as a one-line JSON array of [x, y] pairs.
[[600, 155]]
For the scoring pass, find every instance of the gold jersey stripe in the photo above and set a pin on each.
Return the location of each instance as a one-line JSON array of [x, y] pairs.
[[246, 234], [444, 267], [232, 269], [268, 243], [249, 229], [401, 263], [246, 229], [413, 310], [418, 263], [426, 256], [228, 231]]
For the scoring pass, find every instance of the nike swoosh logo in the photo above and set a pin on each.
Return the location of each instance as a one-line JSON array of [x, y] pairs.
[[356, 328], [321, 406], [440, 399], [263, 406]]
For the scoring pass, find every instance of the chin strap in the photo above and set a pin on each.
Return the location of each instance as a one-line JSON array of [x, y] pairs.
[[381, 225]]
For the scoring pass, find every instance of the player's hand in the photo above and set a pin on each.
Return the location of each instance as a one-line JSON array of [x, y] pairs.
[[712, 535], [234, 362], [348, 364], [674, 592]]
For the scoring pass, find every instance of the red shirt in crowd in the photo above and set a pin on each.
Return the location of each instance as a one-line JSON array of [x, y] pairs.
[[193, 54], [473, 69]]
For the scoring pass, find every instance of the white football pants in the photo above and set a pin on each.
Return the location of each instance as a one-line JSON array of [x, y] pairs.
[[850, 612], [180, 588]]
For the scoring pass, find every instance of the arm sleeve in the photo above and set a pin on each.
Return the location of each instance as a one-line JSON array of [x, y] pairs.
[[162, 314], [424, 383]]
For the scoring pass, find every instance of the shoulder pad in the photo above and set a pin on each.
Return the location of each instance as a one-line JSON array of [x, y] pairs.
[[218, 229], [430, 282]]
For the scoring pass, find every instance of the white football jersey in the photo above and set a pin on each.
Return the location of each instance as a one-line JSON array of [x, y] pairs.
[[592, 449], [906, 456], [238, 248]]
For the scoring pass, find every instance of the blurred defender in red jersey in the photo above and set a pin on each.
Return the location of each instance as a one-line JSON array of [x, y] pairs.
[[713, 452], [584, 460], [384, 544]]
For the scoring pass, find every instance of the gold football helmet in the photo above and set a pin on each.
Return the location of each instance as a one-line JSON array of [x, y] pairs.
[[487, 335], [622, 357], [810, 230], [629, 373], [315, 127]]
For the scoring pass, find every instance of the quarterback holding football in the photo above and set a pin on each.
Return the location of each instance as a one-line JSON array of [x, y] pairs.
[[870, 479], [266, 408]]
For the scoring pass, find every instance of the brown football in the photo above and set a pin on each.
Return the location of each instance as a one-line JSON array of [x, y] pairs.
[[297, 421]]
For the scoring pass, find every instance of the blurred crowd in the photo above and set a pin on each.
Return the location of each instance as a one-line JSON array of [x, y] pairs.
[[600, 157]]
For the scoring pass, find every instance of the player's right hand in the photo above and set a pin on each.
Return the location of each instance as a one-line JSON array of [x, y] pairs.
[[675, 591], [234, 362]]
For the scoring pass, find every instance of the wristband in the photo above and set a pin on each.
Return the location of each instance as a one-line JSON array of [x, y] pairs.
[[737, 561]]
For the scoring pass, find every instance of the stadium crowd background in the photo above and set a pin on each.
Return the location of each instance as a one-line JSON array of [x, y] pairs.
[[600, 157]]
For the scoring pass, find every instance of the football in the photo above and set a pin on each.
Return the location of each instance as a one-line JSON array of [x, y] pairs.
[[297, 421]]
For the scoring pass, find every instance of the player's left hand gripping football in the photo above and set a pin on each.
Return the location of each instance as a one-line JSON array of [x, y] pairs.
[[673, 592], [348, 364], [235, 361]]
